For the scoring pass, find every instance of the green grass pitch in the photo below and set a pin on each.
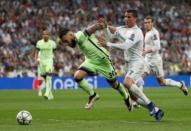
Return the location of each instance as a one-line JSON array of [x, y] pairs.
[[66, 112]]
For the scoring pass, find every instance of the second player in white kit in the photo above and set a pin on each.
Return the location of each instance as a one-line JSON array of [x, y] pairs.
[[153, 60]]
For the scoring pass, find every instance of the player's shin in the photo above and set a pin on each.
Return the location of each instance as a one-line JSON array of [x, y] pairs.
[[48, 86], [93, 96], [138, 93], [84, 85], [121, 89], [141, 102], [171, 82]]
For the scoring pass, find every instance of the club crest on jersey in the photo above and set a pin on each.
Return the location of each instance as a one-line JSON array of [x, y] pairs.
[[132, 37], [155, 37]]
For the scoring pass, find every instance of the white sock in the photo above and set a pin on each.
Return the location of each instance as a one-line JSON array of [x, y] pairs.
[[138, 93], [156, 109], [142, 103], [170, 82]]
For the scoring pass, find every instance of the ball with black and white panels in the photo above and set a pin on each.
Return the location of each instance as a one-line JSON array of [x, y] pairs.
[[24, 117]]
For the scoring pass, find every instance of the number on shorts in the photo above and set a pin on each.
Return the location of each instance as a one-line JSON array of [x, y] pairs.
[[112, 74]]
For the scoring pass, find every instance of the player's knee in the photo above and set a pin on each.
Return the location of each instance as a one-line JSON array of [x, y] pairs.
[[162, 82], [114, 83], [77, 77], [128, 82], [44, 76]]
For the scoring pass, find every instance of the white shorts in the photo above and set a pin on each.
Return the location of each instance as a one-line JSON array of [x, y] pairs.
[[134, 70], [155, 66]]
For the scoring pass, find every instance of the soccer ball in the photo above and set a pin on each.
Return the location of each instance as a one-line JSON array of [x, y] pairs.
[[24, 117]]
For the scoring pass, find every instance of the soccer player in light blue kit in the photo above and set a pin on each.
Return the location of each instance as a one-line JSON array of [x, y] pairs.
[[44, 56], [97, 61]]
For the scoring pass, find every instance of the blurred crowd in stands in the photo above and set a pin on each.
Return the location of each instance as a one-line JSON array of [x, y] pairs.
[[22, 22]]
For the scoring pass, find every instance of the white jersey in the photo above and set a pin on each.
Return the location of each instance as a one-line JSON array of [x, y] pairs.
[[153, 60], [131, 41], [152, 41], [132, 36]]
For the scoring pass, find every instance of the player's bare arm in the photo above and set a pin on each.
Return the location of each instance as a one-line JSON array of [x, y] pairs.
[[92, 29], [102, 41], [104, 24], [36, 56], [146, 51]]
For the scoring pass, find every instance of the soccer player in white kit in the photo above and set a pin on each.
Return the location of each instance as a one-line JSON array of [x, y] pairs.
[[131, 41], [153, 59]]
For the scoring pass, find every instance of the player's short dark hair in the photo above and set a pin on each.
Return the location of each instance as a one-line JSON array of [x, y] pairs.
[[63, 32], [149, 18], [134, 12]]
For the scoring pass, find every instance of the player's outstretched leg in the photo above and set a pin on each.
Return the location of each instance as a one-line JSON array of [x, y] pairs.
[[153, 110], [93, 96], [84, 85], [140, 84], [122, 91], [170, 82]]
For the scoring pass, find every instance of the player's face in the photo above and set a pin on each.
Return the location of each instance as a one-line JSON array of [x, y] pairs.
[[148, 24], [46, 35], [68, 38], [129, 19]]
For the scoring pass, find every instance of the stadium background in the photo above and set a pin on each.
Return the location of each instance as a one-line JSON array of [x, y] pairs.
[[22, 22]]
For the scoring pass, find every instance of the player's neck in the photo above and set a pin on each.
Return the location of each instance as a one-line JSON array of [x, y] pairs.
[[46, 40], [131, 26], [150, 29]]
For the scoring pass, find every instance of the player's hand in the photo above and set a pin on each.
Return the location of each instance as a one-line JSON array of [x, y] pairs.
[[102, 41], [102, 22], [144, 52]]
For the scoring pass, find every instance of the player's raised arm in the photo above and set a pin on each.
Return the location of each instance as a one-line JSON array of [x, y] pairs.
[[122, 45], [92, 29], [103, 23], [109, 31]]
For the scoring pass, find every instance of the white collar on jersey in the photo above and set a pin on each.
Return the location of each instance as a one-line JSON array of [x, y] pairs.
[[135, 26]]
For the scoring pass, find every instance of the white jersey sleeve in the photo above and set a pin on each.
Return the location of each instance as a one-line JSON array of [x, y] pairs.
[[108, 35], [128, 43]]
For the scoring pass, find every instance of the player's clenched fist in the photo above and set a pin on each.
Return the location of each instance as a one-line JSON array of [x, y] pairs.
[[102, 41], [102, 22]]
